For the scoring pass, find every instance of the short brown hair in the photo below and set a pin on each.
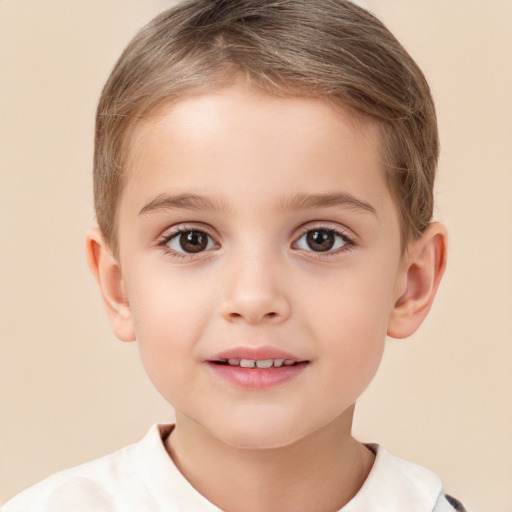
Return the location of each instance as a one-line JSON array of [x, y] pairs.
[[330, 49]]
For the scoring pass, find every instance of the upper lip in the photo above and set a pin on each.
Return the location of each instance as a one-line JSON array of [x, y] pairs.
[[256, 353]]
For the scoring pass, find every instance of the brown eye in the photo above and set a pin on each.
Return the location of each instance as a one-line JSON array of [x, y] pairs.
[[322, 240], [193, 241], [190, 242]]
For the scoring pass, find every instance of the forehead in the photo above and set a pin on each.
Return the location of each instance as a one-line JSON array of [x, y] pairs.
[[238, 138]]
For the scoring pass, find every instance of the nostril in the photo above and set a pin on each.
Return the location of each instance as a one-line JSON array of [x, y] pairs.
[[269, 316]]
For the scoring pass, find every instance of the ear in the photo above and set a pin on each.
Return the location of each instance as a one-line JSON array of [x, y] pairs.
[[421, 272], [107, 272]]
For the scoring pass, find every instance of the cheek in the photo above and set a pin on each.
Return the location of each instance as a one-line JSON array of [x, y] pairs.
[[353, 304], [168, 321], [350, 324], [354, 345], [167, 306]]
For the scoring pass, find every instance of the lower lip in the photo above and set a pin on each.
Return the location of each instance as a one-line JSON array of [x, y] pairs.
[[257, 378]]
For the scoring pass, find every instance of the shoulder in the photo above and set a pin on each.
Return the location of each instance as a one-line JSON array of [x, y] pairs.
[[96, 485], [395, 484]]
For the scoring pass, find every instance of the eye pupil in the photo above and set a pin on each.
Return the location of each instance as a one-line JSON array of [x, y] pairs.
[[193, 241], [320, 240]]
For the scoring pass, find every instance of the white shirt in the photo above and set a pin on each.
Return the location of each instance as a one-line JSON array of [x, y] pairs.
[[143, 478]]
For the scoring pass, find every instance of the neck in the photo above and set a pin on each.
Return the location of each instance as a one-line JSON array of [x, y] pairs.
[[321, 472]]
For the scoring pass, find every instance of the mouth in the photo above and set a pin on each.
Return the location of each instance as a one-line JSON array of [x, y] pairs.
[[257, 368], [257, 363], [260, 358]]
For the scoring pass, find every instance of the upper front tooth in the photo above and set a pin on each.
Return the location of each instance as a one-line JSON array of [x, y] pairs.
[[265, 363], [261, 363]]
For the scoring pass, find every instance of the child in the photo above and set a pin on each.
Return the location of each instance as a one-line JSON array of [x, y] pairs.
[[263, 183]]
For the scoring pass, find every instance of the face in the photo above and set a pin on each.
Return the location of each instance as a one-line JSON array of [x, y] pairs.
[[260, 255]]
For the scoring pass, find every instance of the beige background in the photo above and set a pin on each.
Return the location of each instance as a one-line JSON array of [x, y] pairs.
[[71, 392]]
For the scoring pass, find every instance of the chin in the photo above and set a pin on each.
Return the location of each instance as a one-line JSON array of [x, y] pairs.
[[258, 440], [258, 435]]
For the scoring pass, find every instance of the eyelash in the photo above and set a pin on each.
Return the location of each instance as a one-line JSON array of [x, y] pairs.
[[349, 242], [166, 238]]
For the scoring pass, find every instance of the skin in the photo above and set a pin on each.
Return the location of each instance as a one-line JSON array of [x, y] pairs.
[[253, 158]]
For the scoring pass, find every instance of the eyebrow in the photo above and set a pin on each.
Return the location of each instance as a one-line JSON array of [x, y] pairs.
[[296, 202], [307, 201], [183, 201]]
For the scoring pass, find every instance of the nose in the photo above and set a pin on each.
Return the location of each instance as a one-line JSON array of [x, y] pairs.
[[255, 294]]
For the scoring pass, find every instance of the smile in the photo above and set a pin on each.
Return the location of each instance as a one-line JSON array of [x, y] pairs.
[[256, 368], [257, 363]]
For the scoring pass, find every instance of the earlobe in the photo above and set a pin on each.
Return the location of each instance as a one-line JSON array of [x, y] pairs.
[[107, 273], [423, 268]]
